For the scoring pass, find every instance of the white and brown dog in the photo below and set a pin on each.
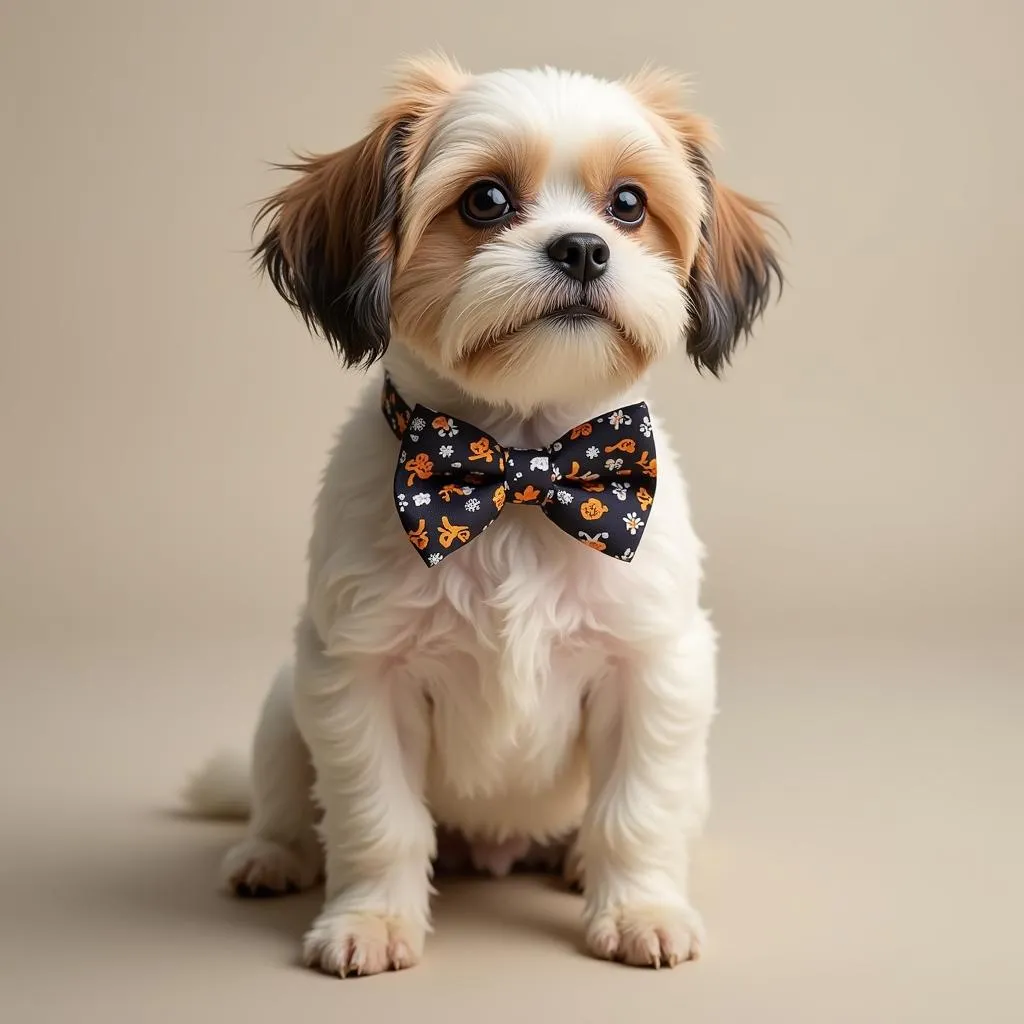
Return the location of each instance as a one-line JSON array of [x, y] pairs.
[[515, 251]]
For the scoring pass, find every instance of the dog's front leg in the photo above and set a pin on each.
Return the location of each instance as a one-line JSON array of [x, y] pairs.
[[369, 738], [647, 726]]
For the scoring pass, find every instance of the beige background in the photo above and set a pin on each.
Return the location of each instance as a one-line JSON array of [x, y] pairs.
[[858, 478]]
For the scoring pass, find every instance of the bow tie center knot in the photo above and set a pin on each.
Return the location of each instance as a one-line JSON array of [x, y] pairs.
[[530, 475]]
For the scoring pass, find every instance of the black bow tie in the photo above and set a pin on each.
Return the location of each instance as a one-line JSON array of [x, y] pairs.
[[595, 482]]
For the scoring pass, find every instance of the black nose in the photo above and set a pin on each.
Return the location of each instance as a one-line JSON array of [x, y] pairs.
[[582, 256]]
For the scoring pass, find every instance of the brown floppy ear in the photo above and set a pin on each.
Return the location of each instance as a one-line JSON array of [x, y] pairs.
[[733, 276], [735, 268], [330, 237]]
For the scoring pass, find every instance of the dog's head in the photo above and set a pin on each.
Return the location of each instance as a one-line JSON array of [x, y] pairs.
[[531, 235]]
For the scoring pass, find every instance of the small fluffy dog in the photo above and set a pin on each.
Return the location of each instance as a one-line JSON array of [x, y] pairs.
[[515, 251]]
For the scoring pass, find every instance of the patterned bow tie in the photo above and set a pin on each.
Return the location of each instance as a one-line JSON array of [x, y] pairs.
[[596, 482]]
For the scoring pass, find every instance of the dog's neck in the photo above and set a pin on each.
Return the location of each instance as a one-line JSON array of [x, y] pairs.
[[420, 385]]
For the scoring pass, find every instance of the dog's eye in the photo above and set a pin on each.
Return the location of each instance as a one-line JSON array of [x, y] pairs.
[[628, 205], [485, 204]]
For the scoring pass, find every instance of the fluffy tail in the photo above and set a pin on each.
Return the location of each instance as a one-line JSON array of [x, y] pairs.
[[221, 789]]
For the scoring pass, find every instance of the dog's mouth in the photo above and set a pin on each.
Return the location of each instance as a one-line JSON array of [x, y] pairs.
[[573, 314], [571, 317]]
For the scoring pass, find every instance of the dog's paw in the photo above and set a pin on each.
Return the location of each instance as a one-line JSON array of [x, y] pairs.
[[360, 943], [646, 936], [259, 867]]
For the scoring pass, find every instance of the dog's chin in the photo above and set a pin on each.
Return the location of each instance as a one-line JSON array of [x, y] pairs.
[[570, 355]]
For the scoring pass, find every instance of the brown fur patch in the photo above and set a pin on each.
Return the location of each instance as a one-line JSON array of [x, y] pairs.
[[425, 284], [421, 91], [331, 234], [663, 95], [738, 236], [672, 224], [516, 161], [735, 268]]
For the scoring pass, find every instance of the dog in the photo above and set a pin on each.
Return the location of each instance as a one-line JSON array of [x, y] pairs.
[[513, 253]]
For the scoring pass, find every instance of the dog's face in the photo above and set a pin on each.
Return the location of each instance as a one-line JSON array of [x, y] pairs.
[[533, 236]]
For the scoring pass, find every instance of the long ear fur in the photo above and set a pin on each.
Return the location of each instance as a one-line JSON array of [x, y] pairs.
[[736, 268], [331, 235], [329, 243], [733, 275]]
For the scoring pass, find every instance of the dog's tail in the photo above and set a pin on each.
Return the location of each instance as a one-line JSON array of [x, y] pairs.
[[220, 789]]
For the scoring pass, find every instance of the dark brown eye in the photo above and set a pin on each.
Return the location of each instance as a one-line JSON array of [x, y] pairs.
[[628, 205], [485, 204]]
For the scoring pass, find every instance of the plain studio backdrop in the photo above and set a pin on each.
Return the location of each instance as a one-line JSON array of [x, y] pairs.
[[857, 476]]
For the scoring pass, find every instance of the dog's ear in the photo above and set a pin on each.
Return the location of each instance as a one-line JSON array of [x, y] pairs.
[[330, 237], [733, 275], [735, 269]]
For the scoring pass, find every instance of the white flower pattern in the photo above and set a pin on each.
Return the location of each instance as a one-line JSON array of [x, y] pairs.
[[430, 447], [633, 522]]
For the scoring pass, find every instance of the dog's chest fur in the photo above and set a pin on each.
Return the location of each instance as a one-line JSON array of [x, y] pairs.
[[518, 631], [505, 639]]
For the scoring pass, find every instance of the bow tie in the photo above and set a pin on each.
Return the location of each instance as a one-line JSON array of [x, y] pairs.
[[595, 482]]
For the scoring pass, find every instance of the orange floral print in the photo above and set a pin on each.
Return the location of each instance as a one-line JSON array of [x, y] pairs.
[[448, 533], [527, 494], [627, 444], [613, 456], [481, 450], [446, 492], [575, 474], [650, 467], [593, 508], [420, 467]]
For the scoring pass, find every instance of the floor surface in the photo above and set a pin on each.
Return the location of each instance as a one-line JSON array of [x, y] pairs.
[[863, 861]]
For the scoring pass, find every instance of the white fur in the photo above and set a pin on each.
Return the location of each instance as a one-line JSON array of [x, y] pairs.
[[530, 686], [509, 281]]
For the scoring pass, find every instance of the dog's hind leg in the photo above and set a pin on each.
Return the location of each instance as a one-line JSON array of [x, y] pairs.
[[281, 851]]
